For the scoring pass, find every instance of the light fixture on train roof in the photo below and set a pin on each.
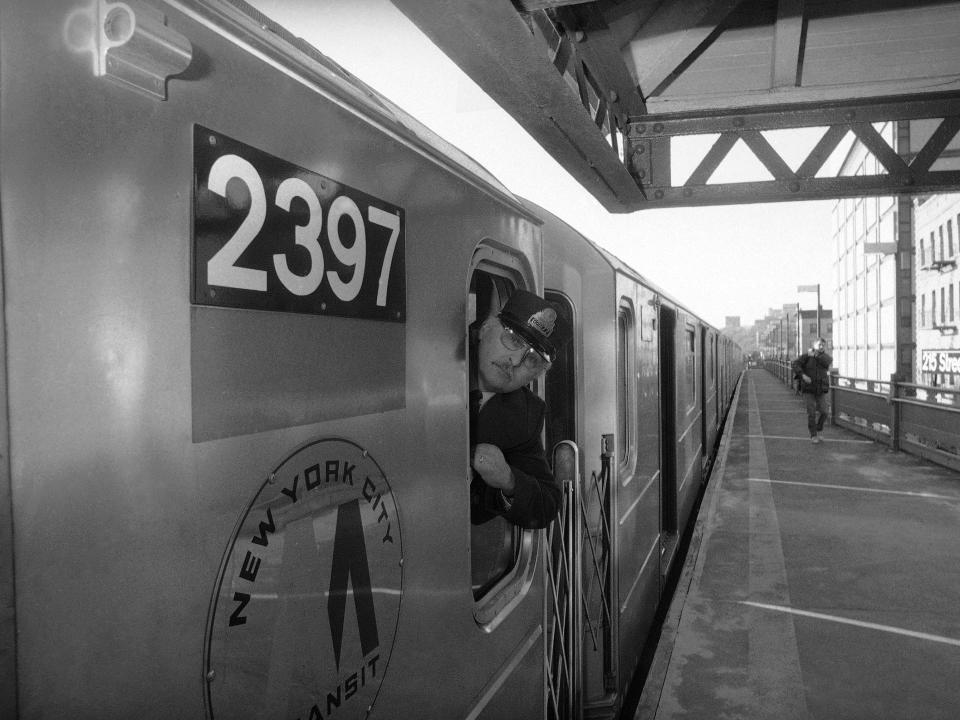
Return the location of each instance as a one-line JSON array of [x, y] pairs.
[[129, 43]]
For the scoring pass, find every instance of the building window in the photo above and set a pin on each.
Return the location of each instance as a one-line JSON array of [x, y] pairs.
[[923, 253], [933, 307], [951, 302], [933, 247], [943, 306], [950, 237], [943, 248], [923, 311]]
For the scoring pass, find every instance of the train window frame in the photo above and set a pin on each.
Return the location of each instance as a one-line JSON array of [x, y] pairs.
[[626, 388], [492, 602], [691, 374], [560, 383]]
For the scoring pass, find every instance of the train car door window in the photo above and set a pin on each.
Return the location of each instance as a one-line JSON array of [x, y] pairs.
[[502, 556], [560, 385], [690, 368], [626, 389]]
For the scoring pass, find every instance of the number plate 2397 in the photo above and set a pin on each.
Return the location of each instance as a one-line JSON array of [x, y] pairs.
[[268, 235]]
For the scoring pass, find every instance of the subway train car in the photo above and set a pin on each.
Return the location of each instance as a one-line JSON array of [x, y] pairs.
[[649, 383], [235, 482]]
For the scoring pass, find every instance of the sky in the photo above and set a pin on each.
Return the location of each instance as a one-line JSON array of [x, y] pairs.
[[724, 260]]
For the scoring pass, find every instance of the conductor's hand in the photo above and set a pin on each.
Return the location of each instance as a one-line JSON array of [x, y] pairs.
[[806, 378], [493, 468]]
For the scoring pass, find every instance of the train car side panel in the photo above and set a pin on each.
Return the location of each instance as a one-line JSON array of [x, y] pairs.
[[638, 528], [689, 413], [130, 509]]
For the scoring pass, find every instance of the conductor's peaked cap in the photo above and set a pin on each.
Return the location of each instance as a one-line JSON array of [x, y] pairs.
[[536, 321]]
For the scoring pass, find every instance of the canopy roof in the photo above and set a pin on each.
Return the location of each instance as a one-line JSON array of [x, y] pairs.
[[604, 85]]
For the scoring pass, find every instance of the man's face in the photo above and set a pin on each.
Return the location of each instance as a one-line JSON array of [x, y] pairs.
[[820, 346], [502, 369]]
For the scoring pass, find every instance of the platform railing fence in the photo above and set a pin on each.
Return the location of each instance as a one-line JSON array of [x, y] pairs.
[[917, 419]]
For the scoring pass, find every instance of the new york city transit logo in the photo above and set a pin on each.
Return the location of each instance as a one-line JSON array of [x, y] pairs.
[[305, 611]]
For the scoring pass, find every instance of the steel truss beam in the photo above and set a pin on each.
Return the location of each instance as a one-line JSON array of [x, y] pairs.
[[649, 152]]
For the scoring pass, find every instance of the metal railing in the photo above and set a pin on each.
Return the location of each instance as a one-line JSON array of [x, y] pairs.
[[563, 660], [917, 419]]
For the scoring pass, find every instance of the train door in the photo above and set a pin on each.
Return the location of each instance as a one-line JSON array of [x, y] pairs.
[[668, 434]]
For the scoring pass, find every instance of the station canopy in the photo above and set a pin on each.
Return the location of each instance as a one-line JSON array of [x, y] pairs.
[[644, 102]]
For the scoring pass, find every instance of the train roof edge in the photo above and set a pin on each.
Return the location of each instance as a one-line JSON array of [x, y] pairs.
[[301, 58]]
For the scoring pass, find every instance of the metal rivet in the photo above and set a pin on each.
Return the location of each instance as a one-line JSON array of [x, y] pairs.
[[640, 129], [794, 186], [658, 127], [658, 194], [211, 675]]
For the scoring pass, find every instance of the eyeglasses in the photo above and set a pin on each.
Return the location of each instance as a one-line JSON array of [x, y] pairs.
[[531, 358]]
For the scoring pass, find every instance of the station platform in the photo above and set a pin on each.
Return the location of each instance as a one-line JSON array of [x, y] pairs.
[[822, 580]]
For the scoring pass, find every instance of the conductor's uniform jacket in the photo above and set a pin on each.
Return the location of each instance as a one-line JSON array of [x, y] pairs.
[[514, 422]]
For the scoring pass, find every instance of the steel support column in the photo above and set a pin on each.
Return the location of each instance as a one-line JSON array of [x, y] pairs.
[[906, 331]]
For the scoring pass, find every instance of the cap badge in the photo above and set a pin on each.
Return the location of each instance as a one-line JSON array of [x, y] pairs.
[[543, 321]]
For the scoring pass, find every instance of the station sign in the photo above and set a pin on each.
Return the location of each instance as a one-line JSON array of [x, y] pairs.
[[940, 361], [269, 235]]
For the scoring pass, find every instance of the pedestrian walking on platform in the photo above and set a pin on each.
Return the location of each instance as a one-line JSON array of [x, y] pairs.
[[814, 370]]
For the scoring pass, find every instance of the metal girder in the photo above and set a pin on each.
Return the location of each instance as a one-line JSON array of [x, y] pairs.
[[557, 83], [901, 171]]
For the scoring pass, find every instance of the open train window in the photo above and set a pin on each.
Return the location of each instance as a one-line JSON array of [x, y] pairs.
[[502, 555]]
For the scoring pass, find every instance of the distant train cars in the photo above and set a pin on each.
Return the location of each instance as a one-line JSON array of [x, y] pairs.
[[650, 384], [237, 287]]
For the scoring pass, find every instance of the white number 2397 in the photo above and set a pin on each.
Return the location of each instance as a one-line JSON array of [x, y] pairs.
[[223, 270]]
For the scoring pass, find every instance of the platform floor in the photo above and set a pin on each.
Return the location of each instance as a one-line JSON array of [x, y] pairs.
[[822, 582]]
